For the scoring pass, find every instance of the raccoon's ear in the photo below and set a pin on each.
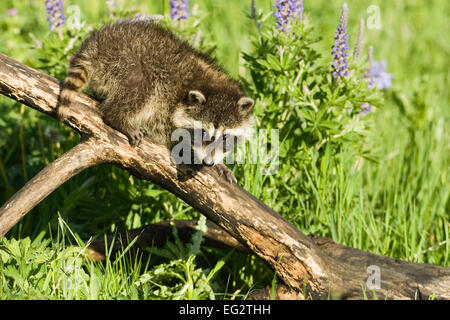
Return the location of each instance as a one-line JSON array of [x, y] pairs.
[[246, 104], [196, 97]]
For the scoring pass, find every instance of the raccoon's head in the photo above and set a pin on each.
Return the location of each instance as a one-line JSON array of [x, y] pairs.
[[216, 120]]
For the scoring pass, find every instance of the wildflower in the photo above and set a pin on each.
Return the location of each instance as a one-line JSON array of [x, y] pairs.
[[12, 12], [360, 41], [179, 9], [377, 76], [56, 17], [55, 14], [287, 12], [365, 109], [254, 17], [111, 5], [340, 48]]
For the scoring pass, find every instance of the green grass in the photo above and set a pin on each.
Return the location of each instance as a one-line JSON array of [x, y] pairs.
[[397, 205]]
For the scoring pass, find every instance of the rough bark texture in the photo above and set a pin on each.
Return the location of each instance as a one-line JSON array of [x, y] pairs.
[[302, 264], [82, 156]]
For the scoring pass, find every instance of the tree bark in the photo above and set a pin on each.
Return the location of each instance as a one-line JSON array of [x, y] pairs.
[[299, 262], [82, 156]]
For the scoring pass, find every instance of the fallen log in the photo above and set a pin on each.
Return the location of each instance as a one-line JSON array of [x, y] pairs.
[[158, 234], [303, 265]]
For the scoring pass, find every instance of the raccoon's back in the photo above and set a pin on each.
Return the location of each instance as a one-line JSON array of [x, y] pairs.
[[146, 60], [141, 48]]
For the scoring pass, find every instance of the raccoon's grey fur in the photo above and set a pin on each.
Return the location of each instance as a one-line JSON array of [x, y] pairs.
[[149, 81]]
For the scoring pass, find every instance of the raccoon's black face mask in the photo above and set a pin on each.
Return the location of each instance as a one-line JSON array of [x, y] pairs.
[[214, 123]]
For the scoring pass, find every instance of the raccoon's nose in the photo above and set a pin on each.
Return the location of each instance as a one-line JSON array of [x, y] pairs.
[[208, 161]]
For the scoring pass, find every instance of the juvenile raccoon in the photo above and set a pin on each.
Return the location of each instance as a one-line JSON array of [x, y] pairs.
[[150, 83]]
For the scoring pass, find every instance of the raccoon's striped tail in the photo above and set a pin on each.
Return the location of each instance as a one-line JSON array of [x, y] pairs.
[[77, 78]]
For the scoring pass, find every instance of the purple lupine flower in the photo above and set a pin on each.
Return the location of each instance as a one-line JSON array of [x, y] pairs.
[[377, 76], [287, 12], [55, 14], [12, 12], [365, 109], [179, 9], [340, 48]]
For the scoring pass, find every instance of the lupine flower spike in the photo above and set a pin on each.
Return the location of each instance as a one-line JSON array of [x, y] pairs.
[[254, 16], [287, 12], [55, 15], [366, 107], [376, 72], [360, 41], [340, 48], [179, 10], [378, 76]]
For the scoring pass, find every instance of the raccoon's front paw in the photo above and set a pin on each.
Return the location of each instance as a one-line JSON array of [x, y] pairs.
[[225, 172], [135, 136]]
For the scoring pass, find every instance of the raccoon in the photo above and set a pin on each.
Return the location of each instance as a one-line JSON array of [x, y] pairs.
[[150, 83]]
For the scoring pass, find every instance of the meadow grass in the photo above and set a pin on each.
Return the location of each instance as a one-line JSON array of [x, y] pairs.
[[394, 204]]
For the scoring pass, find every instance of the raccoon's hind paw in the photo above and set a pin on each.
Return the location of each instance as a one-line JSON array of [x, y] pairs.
[[135, 136], [225, 172]]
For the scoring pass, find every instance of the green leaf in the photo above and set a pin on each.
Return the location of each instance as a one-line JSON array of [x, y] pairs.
[[219, 265], [274, 62]]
